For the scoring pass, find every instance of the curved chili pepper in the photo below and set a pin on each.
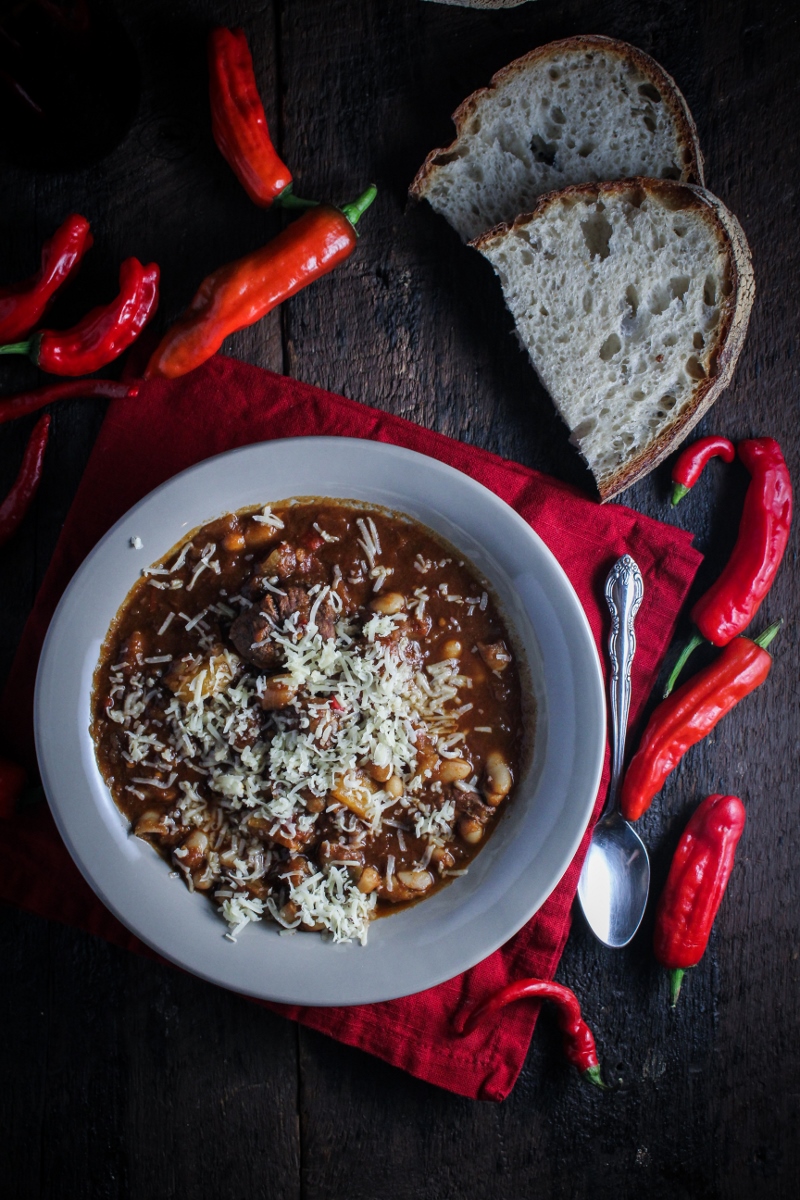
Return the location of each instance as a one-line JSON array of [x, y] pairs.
[[730, 604], [691, 462], [695, 885], [13, 779], [23, 403], [243, 292], [22, 305], [690, 714], [103, 333], [19, 499], [577, 1037], [238, 121]]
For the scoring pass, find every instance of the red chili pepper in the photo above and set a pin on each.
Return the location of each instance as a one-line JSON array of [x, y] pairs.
[[691, 462], [19, 499], [24, 403], [730, 604], [22, 305], [13, 779], [241, 293], [695, 885], [103, 333], [238, 121], [690, 714], [578, 1040]]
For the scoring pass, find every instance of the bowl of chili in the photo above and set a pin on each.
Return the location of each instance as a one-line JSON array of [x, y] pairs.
[[538, 831]]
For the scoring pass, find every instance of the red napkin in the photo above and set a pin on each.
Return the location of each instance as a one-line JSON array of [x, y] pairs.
[[224, 404]]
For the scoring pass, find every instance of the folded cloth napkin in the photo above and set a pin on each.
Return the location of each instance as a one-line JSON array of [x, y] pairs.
[[224, 404]]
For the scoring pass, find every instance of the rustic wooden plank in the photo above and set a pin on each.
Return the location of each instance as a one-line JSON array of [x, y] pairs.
[[24, 946], [127, 1078], [202, 1059]]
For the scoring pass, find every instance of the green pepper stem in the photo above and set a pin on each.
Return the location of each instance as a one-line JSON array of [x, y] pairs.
[[694, 641], [287, 199], [764, 639], [359, 207], [678, 492], [675, 981], [16, 348], [592, 1075]]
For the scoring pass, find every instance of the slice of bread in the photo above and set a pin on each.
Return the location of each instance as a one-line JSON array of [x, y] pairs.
[[573, 111], [632, 299]]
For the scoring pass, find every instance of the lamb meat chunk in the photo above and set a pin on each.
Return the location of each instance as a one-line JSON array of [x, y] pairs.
[[295, 601], [250, 634], [326, 620], [469, 804], [281, 562]]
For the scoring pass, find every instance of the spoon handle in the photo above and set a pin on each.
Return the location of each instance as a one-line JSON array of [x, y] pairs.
[[624, 590]]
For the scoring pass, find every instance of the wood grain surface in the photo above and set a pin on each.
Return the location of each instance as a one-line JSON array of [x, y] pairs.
[[125, 1078]]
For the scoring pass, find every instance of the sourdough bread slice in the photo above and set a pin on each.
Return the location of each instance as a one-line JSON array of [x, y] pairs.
[[632, 299], [573, 111]]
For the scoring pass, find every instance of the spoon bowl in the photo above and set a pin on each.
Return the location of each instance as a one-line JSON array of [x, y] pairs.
[[615, 881]]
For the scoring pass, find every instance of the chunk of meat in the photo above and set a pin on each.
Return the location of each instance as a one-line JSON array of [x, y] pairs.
[[496, 655], [250, 634], [325, 620], [469, 804], [279, 565], [297, 600], [263, 827], [281, 562]]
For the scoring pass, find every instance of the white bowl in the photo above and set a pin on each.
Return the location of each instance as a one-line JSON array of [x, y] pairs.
[[535, 839]]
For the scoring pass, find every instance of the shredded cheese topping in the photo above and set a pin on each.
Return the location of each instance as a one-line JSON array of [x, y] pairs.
[[361, 696]]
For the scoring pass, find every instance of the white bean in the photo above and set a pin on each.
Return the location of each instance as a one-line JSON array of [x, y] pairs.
[[232, 542], [369, 880], [150, 823], [415, 881], [389, 604], [196, 847], [497, 773], [394, 787], [451, 769], [380, 773], [470, 830]]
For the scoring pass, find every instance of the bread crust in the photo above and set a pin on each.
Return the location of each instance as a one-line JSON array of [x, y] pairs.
[[673, 97], [734, 316]]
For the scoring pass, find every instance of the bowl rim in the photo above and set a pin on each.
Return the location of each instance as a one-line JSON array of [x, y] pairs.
[[64, 764]]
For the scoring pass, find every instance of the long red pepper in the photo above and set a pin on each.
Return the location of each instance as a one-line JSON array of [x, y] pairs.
[[695, 885], [18, 500], [104, 333], [577, 1037], [23, 403], [690, 714], [691, 462], [238, 121], [13, 779], [22, 305], [241, 293], [730, 604]]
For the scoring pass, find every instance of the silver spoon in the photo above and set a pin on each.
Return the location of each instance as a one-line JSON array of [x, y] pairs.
[[615, 878]]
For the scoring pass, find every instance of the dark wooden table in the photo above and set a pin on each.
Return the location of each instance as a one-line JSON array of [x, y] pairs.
[[125, 1078]]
